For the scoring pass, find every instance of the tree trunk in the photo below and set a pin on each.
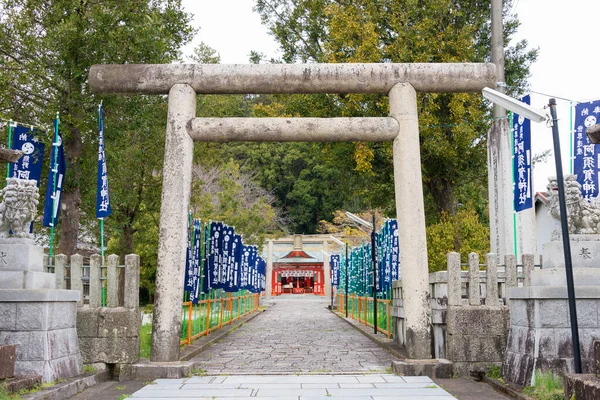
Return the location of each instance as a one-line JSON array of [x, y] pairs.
[[443, 196], [71, 197], [69, 226], [127, 246]]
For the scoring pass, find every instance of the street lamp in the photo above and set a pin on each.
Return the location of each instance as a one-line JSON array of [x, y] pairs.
[[538, 116], [371, 226]]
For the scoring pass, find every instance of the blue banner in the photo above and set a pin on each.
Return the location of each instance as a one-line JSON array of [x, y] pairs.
[[29, 166], [334, 262], [233, 264], [262, 274], [205, 261], [522, 173], [195, 289], [585, 154], [56, 178], [188, 283], [103, 208], [226, 258], [215, 254]]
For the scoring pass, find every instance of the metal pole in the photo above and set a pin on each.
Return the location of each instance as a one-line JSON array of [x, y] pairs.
[[331, 283], [346, 297], [565, 236], [374, 261]]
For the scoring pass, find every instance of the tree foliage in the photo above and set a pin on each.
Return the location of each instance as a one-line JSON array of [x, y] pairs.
[[452, 126], [224, 193], [46, 50], [461, 232]]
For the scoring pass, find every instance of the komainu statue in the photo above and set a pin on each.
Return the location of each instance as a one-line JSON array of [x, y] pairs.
[[18, 207], [582, 217]]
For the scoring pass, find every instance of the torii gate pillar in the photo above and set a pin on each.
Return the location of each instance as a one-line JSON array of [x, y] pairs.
[[410, 210], [175, 203]]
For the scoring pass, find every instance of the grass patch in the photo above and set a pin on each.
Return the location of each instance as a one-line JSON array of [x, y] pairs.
[[88, 369], [145, 340], [547, 387], [494, 372], [123, 396], [197, 372]]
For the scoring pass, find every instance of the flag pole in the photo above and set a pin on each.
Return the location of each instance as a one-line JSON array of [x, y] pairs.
[[55, 170], [9, 145]]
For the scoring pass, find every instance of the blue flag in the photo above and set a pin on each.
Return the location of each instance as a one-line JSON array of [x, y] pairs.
[[56, 178], [233, 284], [188, 283], [29, 166], [334, 261], [195, 290], [585, 154], [522, 159], [262, 273], [103, 208]]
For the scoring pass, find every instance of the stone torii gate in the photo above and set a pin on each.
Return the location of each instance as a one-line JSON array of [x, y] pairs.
[[182, 82]]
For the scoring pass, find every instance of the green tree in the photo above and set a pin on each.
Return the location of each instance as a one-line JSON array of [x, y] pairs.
[[46, 50], [462, 232], [452, 126], [224, 193]]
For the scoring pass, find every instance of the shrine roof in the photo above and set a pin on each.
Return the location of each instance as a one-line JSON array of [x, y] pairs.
[[298, 257]]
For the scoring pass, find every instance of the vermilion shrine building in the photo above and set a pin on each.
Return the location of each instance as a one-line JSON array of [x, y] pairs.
[[299, 264]]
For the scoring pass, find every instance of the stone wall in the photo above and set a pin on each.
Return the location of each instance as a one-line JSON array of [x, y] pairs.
[[466, 289], [109, 334], [540, 331]]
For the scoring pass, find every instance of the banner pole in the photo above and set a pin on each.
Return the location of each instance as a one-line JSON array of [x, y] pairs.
[[9, 145], [102, 239], [571, 134], [55, 170]]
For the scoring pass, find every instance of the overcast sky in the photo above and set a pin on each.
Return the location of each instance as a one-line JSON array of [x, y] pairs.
[[565, 31]]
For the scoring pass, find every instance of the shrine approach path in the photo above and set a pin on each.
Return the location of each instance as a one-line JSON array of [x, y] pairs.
[[298, 334]]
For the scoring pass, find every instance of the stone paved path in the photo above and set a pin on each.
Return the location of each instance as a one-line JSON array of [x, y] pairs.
[[298, 350], [295, 387], [296, 335]]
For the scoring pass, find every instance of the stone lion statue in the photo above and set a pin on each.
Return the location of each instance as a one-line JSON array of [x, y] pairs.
[[18, 207], [582, 217]]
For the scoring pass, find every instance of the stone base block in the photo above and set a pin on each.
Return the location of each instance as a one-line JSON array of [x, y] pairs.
[[7, 361], [40, 323], [584, 248], [439, 368], [27, 280], [150, 371], [558, 277], [582, 387], [109, 335], [540, 333], [110, 350], [20, 255], [476, 337], [19, 383]]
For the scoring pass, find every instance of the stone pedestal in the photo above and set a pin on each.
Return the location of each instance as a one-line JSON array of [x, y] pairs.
[[34, 316], [540, 329]]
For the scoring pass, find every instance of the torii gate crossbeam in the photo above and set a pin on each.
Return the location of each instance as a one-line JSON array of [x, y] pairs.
[[184, 81]]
